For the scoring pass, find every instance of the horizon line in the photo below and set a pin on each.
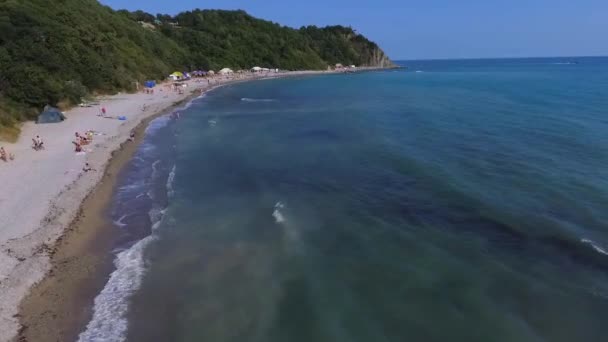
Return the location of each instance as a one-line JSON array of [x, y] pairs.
[[478, 58]]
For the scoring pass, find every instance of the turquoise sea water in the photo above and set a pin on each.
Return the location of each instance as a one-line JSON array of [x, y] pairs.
[[452, 201]]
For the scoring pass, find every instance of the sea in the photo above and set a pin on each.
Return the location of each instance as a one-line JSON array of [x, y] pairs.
[[452, 200]]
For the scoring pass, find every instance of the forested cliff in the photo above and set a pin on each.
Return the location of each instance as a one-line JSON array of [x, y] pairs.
[[58, 51]]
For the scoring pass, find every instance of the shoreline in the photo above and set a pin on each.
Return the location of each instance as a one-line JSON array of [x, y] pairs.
[[56, 303]]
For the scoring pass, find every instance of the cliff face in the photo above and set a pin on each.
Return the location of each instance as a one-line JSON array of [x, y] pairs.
[[380, 59], [339, 44]]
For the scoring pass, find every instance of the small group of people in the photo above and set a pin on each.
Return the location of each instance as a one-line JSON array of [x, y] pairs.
[[5, 156], [81, 140]]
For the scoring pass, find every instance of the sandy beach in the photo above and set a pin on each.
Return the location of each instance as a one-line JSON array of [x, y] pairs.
[[43, 191]]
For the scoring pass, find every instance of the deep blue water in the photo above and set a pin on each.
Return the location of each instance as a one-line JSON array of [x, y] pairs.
[[451, 201]]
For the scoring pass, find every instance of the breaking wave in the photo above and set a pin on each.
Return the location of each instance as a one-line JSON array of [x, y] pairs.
[[247, 99], [278, 216], [109, 322], [595, 246]]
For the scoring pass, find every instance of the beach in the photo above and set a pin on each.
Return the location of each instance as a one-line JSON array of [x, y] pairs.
[[43, 191]]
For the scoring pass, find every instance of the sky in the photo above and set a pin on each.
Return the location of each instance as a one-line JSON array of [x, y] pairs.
[[433, 29]]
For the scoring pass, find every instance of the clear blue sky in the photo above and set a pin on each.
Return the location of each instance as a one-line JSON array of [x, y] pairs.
[[412, 29]]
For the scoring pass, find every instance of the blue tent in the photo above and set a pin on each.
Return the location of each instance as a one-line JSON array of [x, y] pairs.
[[50, 115], [150, 84]]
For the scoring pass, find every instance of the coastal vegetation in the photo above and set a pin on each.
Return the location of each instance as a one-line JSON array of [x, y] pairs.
[[57, 52]]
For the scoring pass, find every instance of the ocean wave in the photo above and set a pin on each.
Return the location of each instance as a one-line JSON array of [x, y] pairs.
[[158, 123], [155, 168], [130, 187], [119, 222], [247, 99], [278, 216], [170, 180], [109, 322], [595, 246]]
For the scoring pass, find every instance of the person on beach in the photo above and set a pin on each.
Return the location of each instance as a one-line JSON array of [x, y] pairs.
[[83, 140], [132, 136], [38, 143], [3, 154], [103, 111], [77, 146], [87, 168]]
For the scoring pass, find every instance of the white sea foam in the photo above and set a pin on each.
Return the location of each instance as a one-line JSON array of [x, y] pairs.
[[155, 168], [109, 322], [247, 99], [158, 123], [278, 216], [119, 222], [130, 187], [595, 246], [170, 181]]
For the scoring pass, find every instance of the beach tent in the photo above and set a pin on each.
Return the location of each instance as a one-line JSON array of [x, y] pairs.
[[211, 72], [150, 84], [50, 115], [176, 76], [226, 71], [256, 69]]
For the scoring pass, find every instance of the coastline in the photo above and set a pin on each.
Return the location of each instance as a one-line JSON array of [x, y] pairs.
[[56, 268], [61, 302]]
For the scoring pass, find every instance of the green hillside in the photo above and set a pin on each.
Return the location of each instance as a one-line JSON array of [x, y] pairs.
[[56, 52]]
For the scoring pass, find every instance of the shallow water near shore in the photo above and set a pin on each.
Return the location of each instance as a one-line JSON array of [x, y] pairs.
[[463, 202]]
